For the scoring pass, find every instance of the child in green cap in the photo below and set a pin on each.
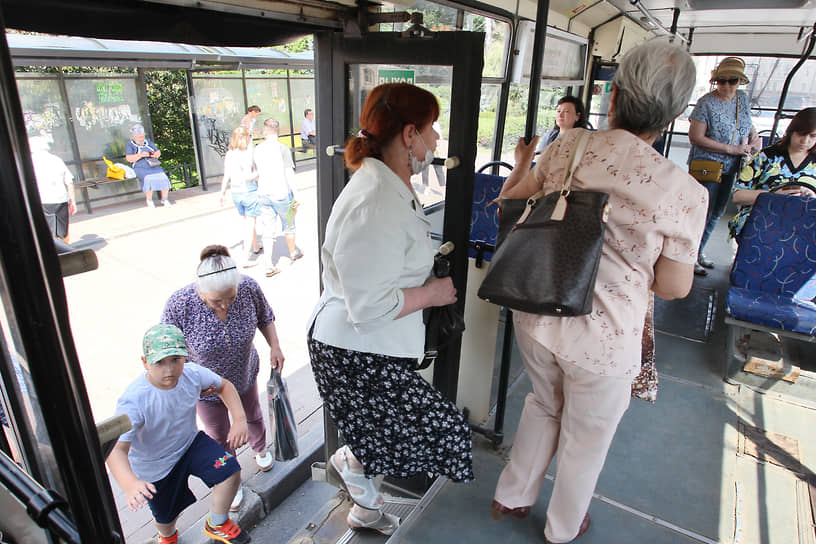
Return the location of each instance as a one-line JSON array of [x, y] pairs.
[[153, 460]]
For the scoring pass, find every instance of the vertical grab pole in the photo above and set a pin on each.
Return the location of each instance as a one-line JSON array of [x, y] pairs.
[[805, 55], [535, 70]]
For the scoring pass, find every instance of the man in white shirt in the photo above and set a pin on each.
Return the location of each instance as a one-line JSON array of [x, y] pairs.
[[56, 185], [308, 136], [276, 177]]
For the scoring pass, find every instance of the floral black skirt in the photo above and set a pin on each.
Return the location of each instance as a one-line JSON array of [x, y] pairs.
[[394, 421]]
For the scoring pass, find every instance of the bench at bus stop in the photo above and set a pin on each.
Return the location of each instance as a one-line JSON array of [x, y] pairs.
[[773, 284], [105, 188]]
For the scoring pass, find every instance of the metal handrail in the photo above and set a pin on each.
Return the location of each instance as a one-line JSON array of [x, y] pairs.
[[45, 507]]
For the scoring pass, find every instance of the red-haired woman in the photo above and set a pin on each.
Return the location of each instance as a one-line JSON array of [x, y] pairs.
[[367, 331]]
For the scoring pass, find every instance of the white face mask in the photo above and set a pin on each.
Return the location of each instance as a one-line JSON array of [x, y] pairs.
[[417, 166]]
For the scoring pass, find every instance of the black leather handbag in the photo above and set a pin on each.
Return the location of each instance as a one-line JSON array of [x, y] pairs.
[[549, 248]]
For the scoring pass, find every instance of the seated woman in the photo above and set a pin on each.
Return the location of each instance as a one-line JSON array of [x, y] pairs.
[[151, 176], [569, 114], [792, 159]]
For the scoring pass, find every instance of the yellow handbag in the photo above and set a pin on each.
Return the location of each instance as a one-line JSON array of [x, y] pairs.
[[706, 170], [712, 170], [114, 172]]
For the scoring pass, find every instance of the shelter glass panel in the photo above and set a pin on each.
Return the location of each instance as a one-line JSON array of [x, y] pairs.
[[272, 96], [103, 109], [218, 105], [303, 98], [44, 113]]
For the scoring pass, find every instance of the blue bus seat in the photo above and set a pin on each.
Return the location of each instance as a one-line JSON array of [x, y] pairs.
[[484, 218], [773, 278]]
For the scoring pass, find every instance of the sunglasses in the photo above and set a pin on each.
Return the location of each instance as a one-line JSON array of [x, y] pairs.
[[732, 81]]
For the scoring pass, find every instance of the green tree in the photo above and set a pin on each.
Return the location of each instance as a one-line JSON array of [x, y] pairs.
[[170, 116]]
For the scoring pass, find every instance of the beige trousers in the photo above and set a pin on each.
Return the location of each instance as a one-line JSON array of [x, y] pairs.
[[572, 412]]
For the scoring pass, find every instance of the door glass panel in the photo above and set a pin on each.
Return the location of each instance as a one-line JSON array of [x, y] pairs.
[[26, 422], [430, 185]]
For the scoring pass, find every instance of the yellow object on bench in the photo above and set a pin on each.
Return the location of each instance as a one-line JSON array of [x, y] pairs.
[[114, 172]]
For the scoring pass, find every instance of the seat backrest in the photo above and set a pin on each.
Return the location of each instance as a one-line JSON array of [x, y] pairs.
[[777, 247], [484, 218]]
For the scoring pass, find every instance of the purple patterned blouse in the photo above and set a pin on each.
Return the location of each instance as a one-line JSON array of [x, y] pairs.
[[223, 347]]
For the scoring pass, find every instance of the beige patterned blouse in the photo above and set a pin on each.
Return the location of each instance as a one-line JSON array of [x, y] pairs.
[[656, 209]]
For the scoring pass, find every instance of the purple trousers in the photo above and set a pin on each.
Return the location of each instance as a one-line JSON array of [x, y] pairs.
[[215, 417]]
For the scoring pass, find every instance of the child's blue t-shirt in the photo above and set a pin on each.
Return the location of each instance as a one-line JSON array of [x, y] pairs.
[[163, 421]]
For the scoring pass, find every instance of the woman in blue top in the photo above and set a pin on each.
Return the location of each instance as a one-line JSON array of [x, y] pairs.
[[721, 130], [151, 178], [791, 159]]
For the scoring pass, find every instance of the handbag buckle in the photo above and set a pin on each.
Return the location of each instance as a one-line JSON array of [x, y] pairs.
[[704, 172]]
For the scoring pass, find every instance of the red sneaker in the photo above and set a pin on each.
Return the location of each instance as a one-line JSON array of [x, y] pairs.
[[229, 532], [172, 539]]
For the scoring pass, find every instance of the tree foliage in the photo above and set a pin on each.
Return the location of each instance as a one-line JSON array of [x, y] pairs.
[[170, 115]]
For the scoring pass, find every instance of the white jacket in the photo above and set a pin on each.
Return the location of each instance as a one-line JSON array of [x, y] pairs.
[[378, 242]]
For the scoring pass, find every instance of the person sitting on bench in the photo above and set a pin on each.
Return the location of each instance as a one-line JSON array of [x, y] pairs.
[[308, 138]]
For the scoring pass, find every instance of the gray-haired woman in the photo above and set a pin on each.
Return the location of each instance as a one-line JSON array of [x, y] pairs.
[[151, 178], [219, 314], [582, 368]]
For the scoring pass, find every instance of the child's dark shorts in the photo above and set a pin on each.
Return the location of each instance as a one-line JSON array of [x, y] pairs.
[[204, 458]]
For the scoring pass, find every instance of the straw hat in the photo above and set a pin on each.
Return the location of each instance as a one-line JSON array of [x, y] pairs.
[[729, 67]]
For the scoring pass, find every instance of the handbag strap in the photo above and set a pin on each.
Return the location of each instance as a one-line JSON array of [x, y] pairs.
[[574, 159]]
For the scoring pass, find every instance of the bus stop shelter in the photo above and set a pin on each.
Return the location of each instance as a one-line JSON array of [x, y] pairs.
[[84, 94]]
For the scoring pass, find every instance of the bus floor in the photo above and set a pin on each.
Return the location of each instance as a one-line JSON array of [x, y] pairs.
[[709, 462]]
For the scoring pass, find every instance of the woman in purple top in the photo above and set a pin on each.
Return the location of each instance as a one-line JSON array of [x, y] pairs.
[[219, 314]]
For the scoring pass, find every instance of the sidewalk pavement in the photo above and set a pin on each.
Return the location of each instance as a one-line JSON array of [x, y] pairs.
[[147, 253]]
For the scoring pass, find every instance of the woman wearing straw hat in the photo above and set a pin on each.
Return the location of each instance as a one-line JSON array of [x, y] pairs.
[[721, 130]]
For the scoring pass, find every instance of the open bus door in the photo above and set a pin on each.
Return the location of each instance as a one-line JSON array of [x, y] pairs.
[[449, 64]]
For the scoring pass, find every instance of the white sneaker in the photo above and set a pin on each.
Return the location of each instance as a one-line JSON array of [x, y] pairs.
[[264, 460], [236, 502], [151, 204], [166, 203]]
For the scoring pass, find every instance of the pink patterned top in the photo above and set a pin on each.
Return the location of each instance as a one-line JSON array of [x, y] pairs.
[[656, 209]]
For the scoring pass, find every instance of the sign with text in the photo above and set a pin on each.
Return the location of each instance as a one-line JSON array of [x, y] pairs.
[[395, 76], [110, 92]]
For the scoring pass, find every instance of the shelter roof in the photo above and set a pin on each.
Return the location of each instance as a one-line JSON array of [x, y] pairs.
[[31, 50]]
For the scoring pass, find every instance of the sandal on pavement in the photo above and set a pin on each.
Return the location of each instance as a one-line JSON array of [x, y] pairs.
[[385, 524], [368, 496], [699, 270]]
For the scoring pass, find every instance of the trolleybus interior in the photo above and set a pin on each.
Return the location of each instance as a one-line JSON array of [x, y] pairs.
[[498, 66]]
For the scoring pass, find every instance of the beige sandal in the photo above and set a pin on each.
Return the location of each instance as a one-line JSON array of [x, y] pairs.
[[344, 477], [385, 524]]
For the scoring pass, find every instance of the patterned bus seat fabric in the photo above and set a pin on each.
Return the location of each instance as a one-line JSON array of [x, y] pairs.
[[484, 218], [773, 278]]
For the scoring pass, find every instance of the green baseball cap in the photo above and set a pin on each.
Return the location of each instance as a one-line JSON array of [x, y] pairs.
[[162, 341]]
